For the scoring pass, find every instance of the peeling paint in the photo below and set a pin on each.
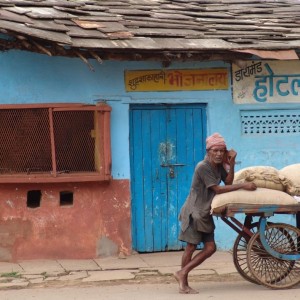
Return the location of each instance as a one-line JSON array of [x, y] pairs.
[[51, 231], [174, 230], [10, 203], [166, 152], [49, 195], [106, 247]]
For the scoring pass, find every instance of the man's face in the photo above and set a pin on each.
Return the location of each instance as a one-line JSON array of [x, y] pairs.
[[216, 154]]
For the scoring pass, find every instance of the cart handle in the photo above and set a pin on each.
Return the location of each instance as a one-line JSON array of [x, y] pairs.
[[271, 251]]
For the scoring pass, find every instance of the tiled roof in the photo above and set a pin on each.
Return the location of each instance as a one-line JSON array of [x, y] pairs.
[[137, 28]]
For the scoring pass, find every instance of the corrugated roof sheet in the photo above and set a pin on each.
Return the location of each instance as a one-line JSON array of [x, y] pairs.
[[147, 25]]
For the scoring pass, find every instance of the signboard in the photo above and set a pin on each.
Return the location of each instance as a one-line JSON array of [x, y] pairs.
[[176, 80], [266, 81]]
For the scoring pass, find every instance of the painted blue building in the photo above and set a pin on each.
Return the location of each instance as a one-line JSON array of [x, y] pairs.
[[165, 99]]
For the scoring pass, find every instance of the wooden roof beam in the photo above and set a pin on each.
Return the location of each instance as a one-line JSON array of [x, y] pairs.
[[97, 57], [85, 61], [43, 49]]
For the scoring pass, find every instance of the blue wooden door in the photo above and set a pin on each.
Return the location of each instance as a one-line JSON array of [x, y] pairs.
[[166, 142]]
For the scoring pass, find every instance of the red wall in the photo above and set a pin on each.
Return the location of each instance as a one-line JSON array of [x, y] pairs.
[[98, 219]]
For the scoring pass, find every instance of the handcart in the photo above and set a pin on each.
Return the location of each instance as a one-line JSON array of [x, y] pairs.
[[265, 253]]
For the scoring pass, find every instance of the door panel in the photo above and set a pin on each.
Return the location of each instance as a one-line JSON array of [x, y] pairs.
[[166, 142]]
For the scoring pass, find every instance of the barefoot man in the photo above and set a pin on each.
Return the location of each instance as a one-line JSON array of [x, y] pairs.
[[197, 223]]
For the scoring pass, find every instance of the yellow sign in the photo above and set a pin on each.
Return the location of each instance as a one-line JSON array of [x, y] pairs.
[[176, 80]]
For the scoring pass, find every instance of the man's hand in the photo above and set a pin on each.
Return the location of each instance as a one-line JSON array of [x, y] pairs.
[[249, 186], [231, 155]]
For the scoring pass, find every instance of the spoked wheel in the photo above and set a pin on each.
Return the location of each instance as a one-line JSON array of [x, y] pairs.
[[240, 253], [271, 271]]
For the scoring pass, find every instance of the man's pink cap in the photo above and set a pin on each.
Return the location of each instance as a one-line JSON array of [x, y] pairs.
[[215, 140]]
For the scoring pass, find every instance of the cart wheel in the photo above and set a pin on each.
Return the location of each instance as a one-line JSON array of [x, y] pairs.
[[271, 271], [240, 253]]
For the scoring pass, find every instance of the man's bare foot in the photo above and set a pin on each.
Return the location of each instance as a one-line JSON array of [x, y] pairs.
[[184, 288], [192, 291], [189, 290], [181, 279]]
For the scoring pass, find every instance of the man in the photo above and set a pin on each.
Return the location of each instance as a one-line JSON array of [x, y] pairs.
[[197, 223]]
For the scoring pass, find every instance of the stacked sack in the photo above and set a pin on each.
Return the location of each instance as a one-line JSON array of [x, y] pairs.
[[263, 176], [287, 179], [290, 178], [275, 187]]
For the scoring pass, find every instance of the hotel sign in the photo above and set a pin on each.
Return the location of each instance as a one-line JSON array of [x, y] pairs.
[[266, 82], [176, 80]]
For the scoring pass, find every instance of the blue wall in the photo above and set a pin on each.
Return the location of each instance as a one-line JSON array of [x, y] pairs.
[[33, 78]]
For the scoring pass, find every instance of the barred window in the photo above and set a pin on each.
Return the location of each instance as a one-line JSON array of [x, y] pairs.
[[54, 143], [266, 122]]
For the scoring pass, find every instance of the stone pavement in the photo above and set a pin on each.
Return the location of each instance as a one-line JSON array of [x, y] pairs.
[[134, 268]]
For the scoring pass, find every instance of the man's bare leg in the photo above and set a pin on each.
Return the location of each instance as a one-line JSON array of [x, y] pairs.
[[182, 275], [186, 258], [187, 254]]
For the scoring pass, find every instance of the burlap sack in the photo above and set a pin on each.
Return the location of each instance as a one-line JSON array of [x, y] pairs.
[[260, 196], [290, 178], [263, 176]]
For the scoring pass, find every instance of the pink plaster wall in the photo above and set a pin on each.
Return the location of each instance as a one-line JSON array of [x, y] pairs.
[[100, 214]]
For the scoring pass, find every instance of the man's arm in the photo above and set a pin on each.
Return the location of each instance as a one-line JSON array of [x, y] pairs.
[[231, 155], [229, 187], [249, 186]]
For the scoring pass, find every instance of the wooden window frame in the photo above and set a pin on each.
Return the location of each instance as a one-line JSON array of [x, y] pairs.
[[102, 146]]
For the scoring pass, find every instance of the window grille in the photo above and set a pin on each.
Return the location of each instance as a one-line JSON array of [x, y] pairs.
[[268, 122], [61, 143]]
